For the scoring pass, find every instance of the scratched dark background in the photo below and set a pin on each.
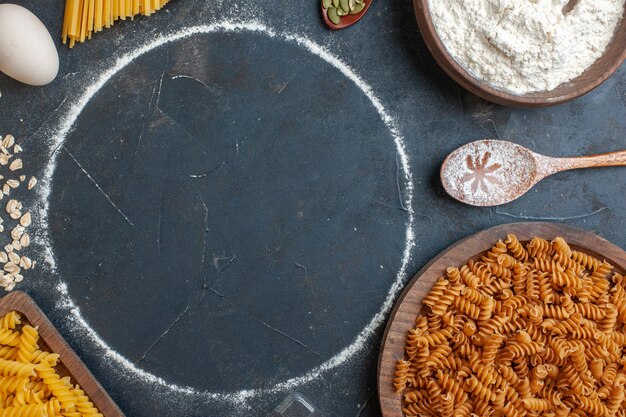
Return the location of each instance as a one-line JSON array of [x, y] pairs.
[[226, 211]]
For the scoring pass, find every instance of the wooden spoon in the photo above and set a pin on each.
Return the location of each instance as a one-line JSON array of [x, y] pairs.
[[494, 172], [347, 20]]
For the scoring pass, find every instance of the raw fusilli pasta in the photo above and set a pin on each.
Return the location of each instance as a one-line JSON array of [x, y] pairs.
[[530, 329], [31, 387]]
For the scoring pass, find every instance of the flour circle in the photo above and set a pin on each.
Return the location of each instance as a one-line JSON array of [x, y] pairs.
[[72, 314]]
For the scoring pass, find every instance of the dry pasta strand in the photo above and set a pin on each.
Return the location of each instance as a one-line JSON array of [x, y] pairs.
[[84, 17]]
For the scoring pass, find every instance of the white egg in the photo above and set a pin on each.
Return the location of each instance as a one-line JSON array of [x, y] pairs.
[[27, 52]]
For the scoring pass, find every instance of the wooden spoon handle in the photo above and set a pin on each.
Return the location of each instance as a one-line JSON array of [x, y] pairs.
[[609, 159]]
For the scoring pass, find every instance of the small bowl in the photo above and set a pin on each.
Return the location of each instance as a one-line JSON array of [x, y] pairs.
[[348, 20], [593, 76]]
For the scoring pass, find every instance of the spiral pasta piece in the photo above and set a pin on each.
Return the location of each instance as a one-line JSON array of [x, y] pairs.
[[507, 261], [603, 271], [400, 380], [498, 249], [490, 348], [516, 248], [434, 322], [439, 356], [545, 290], [593, 406], [10, 320], [53, 408], [538, 246], [532, 286], [8, 352], [493, 325], [472, 295], [31, 410], [50, 358], [54, 383], [28, 344], [10, 384], [450, 384], [568, 325], [586, 260], [436, 293], [500, 271], [9, 337], [479, 389], [469, 278], [435, 338], [446, 404], [561, 246], [84, 405], [454, 275], [590, 311], [463, 409], [615, 400], [13, 368], [416, 408], [526, 349], [567, 262], [519, 279], [467, 307], [580, 363], [25, 397], [482, 271], [446, 300], [537, 404]]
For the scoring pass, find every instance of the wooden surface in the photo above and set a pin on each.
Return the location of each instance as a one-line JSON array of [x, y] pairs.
[[347, 20], [587, 81], [403, 315], [548, 165], [50, 339]]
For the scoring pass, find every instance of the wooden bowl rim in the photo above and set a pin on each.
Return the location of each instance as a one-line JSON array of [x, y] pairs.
[[606, 65], [577, 238]]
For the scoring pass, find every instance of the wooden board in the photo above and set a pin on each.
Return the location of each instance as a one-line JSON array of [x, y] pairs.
[[409, 304], [51, 340]]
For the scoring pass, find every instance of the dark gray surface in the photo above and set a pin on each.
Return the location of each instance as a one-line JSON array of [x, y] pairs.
[[272, 279]]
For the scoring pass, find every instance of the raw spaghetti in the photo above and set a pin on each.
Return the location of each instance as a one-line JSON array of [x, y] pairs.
[[84, 17]]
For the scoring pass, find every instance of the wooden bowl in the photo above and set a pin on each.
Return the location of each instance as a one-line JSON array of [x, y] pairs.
[[593, 76], [409, 304]]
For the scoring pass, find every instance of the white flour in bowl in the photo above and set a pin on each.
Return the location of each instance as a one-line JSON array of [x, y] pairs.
[[525, 46]]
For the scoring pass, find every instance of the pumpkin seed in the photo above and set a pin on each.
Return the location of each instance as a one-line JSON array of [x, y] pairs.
[[351, 4], [344, 5], [341, 12], [333, 15], [359, 1], [327, 3], [358, 8], [335, 3]]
